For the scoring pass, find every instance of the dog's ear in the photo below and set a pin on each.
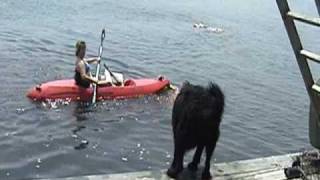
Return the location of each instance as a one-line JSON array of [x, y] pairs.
[[185, 87], [185, 83]]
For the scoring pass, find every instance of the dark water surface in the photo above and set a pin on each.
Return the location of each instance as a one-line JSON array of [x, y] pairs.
[[266, 109]]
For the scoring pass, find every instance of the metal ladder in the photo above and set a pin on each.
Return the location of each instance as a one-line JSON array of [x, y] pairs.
[[302, 56]]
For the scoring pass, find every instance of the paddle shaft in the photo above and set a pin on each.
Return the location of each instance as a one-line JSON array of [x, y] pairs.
[[94, 97], [114, 77]]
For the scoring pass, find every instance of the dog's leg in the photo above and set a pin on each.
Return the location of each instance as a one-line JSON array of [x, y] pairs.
[[193, 166], [177, 164], [206, 172]]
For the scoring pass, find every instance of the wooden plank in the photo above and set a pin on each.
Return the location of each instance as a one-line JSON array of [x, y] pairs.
[[305, 19], [310, 55], [261, 168]]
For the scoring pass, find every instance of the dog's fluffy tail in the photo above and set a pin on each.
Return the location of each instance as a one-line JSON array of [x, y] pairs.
[[215, 91]]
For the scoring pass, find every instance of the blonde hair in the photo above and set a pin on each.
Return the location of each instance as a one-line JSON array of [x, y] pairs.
[[80, 45]]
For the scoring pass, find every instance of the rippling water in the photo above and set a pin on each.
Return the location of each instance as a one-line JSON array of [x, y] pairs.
[[267, 105]]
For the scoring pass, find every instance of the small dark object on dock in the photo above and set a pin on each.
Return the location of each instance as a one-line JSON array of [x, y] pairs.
[[305, 166], [293, 172], [297, 162]]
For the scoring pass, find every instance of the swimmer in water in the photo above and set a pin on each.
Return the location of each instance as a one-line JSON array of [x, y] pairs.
[[215, 30], [207, 28], [199, 25]]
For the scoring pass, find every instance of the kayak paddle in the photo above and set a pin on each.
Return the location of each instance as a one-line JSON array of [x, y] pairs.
[[94, 97], [112, 75]]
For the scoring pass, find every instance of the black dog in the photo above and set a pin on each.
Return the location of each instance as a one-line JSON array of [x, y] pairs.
[[196, 117]]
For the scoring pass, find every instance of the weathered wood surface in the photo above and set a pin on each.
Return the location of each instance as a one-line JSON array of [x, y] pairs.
[[270, 168]]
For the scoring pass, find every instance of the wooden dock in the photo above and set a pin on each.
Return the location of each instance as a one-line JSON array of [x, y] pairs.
[[268, 168]]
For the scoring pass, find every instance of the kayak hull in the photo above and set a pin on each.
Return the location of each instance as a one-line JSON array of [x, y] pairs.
[[68, 90]]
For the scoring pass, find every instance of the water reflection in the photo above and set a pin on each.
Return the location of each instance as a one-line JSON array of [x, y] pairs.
[[80, 113], [81, 110]]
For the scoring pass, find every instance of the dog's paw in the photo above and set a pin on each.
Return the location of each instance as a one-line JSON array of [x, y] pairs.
[[206, 176], [192, 167], [173, 172]]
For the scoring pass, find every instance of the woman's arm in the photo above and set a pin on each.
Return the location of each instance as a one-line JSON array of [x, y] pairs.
[[84, 75], [92, 60]]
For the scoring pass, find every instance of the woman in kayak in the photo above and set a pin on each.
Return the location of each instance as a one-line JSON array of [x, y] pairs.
[[82, 71]]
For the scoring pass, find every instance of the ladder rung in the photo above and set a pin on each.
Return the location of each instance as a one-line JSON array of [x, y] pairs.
[[310, 55], [305, 19], [316, 88]]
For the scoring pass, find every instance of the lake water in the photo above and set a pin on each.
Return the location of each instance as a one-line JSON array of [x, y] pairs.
[[266, 101]]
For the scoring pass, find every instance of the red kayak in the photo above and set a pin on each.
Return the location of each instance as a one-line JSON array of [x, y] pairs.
[[68, 90]]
